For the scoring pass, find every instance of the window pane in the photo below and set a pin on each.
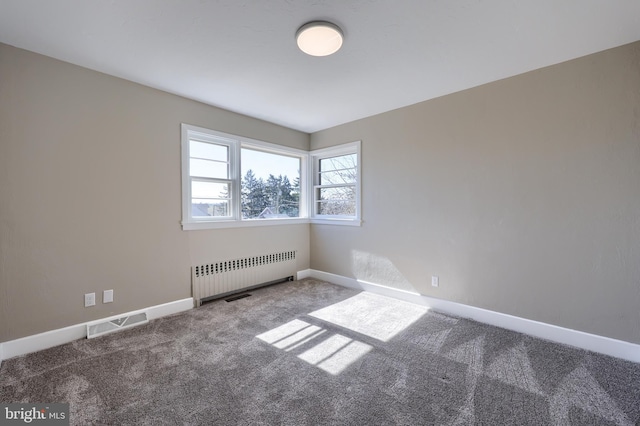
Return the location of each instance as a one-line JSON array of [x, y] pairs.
[[270, 185], [209, 190], [341, 162], [337, 208], [209, 169], [336, 183], [208, 151], [209, 208], [339, 193], [338, 177]]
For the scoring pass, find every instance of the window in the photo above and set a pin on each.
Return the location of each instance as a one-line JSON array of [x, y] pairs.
[[270, 185], [211, 178], [336, 184], [230, 181]]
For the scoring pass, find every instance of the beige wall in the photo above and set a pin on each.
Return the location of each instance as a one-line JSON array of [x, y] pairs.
[[523, 196], [90, 194]]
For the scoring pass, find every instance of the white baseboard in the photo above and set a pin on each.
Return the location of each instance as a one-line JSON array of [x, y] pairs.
[[49, 339], [567, 336], [306, 273]]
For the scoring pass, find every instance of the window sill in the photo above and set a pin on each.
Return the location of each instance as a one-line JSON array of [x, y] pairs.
[[222, 224], [341, 222]]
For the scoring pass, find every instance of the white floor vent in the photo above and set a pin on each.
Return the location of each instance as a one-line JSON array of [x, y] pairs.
[[109, 325]]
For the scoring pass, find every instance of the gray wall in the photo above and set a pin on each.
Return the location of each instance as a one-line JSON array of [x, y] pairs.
[[90, 194], [523, 195]]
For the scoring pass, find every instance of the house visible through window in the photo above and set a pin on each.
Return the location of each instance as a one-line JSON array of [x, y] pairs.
[[209, 167], [229, 180]]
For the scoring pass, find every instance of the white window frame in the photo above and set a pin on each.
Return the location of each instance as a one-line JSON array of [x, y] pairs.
[[235, 144], [335, 151]]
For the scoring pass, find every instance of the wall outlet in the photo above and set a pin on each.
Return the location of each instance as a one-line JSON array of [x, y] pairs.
[[435, 281], [89, 299], [107, 296]]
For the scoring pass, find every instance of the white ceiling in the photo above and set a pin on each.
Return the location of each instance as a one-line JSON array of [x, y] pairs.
[[241, 54]]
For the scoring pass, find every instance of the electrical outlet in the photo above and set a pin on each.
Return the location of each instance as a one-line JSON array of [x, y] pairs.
[[435, 281], [89, 299], [107, 296]]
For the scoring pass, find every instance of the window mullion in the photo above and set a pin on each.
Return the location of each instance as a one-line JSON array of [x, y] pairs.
[[334, 185], [234, 171]]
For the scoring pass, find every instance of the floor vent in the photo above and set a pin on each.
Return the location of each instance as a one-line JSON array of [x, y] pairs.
[[238, 297], [102, 327]]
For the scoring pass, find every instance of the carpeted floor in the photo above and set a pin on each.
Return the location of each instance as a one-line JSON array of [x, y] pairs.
[[312, 353]]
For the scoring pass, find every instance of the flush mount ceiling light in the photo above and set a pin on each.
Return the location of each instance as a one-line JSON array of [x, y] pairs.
[[319, 38]]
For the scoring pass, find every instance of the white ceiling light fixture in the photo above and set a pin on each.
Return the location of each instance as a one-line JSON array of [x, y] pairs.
[[319, 38]]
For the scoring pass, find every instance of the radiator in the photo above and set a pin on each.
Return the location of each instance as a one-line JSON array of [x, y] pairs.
[[221, 278]]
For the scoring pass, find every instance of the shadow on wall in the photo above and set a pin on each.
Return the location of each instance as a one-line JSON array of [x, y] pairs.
[[378, 270]]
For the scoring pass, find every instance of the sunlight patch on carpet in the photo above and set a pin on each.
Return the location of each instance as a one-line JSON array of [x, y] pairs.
[[335, 354], [291, 335], [373, 315], [332, 354]]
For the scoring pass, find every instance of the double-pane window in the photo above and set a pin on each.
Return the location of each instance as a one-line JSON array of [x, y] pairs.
[[209, 169], [336, 193], [336, 183], [229, 181]]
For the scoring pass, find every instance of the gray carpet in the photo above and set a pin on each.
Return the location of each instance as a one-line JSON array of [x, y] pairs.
[[312, 353]]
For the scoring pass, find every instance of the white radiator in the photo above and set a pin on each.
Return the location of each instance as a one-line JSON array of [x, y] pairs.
[[217, 279]]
